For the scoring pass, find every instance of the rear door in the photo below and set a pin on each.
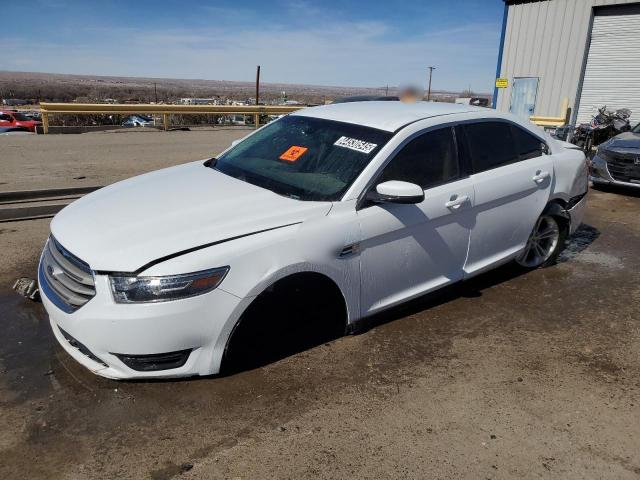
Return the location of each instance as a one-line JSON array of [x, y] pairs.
[[512, 177], [408, 250]]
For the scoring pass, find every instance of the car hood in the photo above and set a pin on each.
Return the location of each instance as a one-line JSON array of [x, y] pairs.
[[624, 140], [132, 223]]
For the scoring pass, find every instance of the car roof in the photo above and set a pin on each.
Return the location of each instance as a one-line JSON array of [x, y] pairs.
[[389, 116]]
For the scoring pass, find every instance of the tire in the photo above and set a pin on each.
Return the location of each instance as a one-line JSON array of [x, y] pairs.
[[546, 241]]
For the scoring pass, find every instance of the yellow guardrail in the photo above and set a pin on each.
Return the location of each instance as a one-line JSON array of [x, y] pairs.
[[47, 109], [563, 119]]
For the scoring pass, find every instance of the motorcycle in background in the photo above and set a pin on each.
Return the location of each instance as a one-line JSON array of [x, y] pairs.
[[604, 125]]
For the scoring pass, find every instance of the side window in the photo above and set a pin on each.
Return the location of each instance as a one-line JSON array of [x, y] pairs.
[[5, 118], [529, 146], [491, 144], [429, 160]]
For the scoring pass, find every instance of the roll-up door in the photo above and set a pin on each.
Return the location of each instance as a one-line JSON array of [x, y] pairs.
[[612, 73]]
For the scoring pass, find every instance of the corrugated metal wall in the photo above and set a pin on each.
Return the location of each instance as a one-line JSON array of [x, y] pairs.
[[547, 39]]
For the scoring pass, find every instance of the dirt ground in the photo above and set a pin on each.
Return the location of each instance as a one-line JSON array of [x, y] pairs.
[[29, 162], [506, 376]]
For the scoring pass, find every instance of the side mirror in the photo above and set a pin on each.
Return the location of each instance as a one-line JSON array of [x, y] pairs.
[[395, 191], [545, 148]]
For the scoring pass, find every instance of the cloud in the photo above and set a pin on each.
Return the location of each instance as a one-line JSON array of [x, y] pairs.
[[346, 53]]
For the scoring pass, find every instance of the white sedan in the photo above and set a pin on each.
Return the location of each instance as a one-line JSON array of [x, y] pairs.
[[310, 224]]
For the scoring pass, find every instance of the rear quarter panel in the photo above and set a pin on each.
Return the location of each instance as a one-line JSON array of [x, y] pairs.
[[571, 172]]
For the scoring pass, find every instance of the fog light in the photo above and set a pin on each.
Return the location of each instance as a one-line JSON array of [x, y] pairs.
[[155, 362]]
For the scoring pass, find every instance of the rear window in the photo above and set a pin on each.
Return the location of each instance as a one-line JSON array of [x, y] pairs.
[[491, 145], [529, 146]]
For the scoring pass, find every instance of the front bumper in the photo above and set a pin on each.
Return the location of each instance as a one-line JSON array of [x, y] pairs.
[[101, 333], [599, 174]]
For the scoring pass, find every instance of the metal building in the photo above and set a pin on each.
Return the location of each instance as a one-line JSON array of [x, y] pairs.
[[586, 51]]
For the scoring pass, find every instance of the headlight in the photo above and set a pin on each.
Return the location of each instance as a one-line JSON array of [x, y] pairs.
[[603, 154], [132, 289]]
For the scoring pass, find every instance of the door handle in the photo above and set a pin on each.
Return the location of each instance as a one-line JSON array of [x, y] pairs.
[[456, 201], [541, 176]]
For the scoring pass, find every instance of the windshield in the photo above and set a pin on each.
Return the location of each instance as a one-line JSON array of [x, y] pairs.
[[304, 158], [636, 129], [21, 117]]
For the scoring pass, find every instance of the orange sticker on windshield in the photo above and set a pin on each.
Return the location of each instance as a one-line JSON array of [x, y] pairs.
[[293, 154]]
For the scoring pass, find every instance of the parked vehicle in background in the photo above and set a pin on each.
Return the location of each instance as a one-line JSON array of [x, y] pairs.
[[32, 114], [604, 125], [15, 131], [367, 98], [12, 118], [475, 101], [138, 121], [324, 217], [617, 161]]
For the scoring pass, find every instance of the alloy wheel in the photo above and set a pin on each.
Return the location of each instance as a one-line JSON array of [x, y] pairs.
[[541, 244]]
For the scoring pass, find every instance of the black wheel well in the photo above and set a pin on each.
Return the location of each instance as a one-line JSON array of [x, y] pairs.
[[556, 208], [558, 201], [284, 303], [309, 282]]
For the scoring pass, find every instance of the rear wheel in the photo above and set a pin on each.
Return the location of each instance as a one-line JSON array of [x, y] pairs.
[[544, 244]]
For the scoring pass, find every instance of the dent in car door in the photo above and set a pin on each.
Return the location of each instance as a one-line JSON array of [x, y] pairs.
[[408, 250], [511, 191]]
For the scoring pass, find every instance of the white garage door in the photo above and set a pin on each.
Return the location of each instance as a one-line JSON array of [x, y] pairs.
[[612, 75]]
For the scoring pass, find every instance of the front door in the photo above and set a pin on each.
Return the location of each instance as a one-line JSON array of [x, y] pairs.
[[523, 96], [408, 250]]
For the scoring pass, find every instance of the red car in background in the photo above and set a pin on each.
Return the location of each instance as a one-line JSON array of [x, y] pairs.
[[10, 118]]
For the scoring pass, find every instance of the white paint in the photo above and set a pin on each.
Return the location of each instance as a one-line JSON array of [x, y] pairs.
[[459, 229]]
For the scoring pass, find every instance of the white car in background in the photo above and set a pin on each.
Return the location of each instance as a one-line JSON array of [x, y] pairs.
[[138, 121], [315, 221]]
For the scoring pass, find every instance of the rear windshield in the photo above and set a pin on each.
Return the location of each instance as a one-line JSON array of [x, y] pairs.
[[304, 158]]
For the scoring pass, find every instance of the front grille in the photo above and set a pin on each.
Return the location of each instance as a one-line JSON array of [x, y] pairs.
[[623, 167], [65, 279]]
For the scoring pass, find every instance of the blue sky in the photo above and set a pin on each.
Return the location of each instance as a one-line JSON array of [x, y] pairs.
[[357, 43]]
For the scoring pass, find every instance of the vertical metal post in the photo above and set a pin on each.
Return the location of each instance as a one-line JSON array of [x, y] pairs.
[[45, 122], [165, 121], [431, 69], [257, 116]]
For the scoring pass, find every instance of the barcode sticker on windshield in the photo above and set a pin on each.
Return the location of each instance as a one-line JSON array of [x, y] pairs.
[[355, 144]]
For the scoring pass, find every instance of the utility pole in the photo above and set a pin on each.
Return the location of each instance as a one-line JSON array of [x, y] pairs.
[[155, 90], [431, 69], [257, 117], [386, 91]]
